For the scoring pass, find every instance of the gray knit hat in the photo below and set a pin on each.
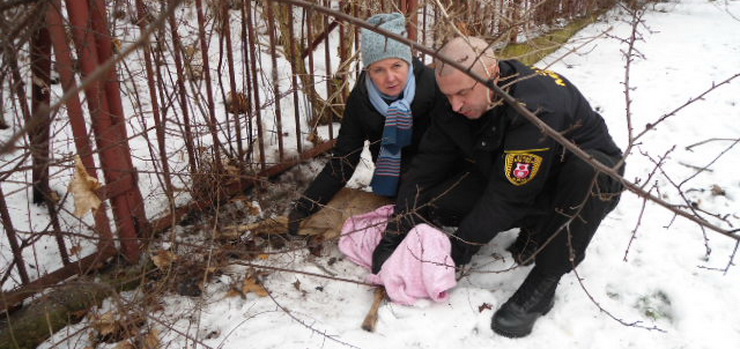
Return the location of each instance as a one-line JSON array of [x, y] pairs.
[[376, 47]]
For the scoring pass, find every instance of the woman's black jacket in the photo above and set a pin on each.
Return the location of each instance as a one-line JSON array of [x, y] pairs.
[[360, 123]]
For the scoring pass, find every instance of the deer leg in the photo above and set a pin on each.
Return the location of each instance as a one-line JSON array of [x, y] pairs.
[[371, 319]]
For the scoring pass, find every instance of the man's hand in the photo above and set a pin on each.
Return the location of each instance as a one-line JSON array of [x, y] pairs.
[[385, 249], [461, 252]]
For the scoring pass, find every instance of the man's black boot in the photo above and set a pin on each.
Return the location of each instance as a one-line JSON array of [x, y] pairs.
[[534, 298]]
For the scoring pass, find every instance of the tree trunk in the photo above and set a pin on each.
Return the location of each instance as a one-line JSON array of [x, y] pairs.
[[65, 305]]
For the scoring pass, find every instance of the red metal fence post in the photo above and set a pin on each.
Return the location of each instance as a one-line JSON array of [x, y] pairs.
[[39, 135], [20, 265], [233, 91], [410, 7], [40, 96], [64, 66], [211, 119], [182, 93], [271, 28], [133, 203], [294, 79], [254, 84], [104, 103]]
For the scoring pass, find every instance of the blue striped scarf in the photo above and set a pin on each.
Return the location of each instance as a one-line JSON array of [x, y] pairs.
[[397, 133]]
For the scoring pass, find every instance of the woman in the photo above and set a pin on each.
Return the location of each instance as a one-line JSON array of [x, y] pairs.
[[388, 107]]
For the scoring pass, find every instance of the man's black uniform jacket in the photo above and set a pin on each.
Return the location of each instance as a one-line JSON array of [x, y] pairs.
[[512, 153]]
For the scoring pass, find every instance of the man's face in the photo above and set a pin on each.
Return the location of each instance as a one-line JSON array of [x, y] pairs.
[[467, 96]]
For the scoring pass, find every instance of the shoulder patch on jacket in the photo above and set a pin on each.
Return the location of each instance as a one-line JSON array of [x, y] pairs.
[[552, 74], [522, 166]]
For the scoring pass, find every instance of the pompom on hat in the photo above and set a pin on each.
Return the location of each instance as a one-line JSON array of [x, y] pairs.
[[376, 46]]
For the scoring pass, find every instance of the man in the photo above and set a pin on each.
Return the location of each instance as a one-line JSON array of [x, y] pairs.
[[484, 168]]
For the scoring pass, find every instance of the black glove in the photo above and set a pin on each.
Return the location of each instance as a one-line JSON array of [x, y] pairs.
[[457, 252], [385, 248], [295, 217], [462, 252]]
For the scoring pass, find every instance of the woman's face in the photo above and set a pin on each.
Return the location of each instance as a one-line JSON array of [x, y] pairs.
[[390, 75]]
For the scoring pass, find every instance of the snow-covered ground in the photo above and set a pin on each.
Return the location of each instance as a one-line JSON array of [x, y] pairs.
[[650, 280]]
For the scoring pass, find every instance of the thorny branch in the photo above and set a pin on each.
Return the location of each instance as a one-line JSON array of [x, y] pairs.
[[293, 271], [651, 126], [630, 56]]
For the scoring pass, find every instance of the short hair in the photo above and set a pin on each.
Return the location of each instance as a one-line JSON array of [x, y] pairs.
[[469, 51]]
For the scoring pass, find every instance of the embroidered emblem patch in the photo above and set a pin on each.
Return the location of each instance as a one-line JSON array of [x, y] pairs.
[[552, 74], [521, 168]]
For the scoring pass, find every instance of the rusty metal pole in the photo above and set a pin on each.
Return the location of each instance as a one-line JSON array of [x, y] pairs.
[[39, 135], [345, 47], [12, 239], [133, 199], [514, 11], [115, 156], [294, 79], [308, 18], [275, 82], [247, 81], [329, 80], [255, 86], [356, 32], [64, 66], [232, 77], [40, 97], [409, 8], [182, 93], [111, 87], [211, 119]]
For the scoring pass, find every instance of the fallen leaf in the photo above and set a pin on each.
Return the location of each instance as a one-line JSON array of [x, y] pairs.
[[75, 250], [251, 284], [82, 188], [234, 293], [54, 196], [213, 334], [237, 103], [163, 259], [254, 208], [106, 324], [151, 340], [125, 345], [717, 190], [232, 173], [78, 314], [267, 227], [484, 306]]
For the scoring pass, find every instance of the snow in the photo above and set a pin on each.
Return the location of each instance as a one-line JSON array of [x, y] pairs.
[[650, 279]]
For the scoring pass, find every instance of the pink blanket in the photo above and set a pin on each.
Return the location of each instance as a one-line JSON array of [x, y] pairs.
[[420, 267]]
